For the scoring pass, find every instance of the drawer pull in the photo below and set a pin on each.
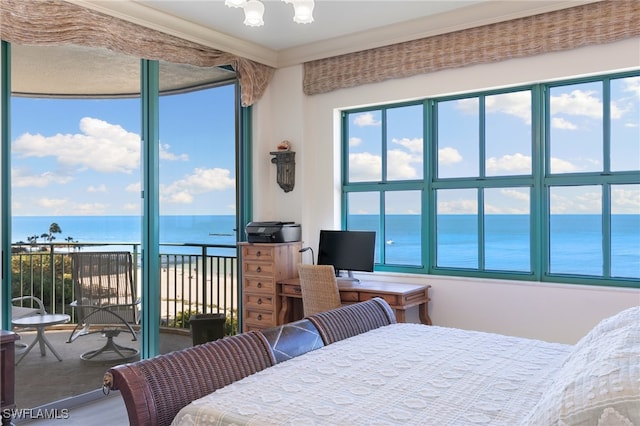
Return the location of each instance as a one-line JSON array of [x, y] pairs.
[[297, 290], [259, 301], [258, 253], [259, 317], [259, 269], [259, 285]]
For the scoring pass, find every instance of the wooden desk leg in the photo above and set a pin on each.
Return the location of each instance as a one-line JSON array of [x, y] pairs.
[[401, 315], [423, 312], [284, 310]]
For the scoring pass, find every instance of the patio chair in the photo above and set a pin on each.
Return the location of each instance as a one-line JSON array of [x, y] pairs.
[[106, 301], [22, 311], [26, 311]]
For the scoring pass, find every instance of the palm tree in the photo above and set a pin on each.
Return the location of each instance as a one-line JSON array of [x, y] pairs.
[[54, 228]]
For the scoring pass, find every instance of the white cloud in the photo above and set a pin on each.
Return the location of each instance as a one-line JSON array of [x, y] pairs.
[[561, 123], [413, 145], [354, 141], [517, 104], [562, 166], [164, 154], [512, 201], [99, 188], [448, 156], [578, 103], [365, 119], [364, 166], [133, 187], [199, 182], [625, 201], [89, 209], [575, 201], [514, 164], [457, 207], [468, 106], [632, 85], [516, 194], [57, 206], [399, 165], [21, 179], [132, 207], [52, 203], [100, 146], [626, 107]]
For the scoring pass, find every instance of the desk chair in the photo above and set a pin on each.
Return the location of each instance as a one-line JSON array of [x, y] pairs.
[[319, 288]]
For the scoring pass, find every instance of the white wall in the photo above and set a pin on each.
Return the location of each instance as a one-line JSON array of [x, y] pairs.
[[556, 312]]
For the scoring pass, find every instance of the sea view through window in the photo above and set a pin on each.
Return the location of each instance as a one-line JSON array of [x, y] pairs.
[[540, 182]]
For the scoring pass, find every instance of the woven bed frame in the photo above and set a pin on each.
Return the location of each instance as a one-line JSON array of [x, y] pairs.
[[155, 389]]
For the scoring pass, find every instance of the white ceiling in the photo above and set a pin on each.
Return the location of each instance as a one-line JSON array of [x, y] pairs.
[[332, 18], [340, 26]]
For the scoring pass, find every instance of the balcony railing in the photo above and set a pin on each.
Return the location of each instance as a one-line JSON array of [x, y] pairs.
[[194, 278]]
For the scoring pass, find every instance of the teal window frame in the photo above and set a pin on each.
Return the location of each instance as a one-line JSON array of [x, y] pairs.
[[149, 115], [539, 182]]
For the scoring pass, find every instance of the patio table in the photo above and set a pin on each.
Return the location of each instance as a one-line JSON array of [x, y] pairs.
[[40, 322]]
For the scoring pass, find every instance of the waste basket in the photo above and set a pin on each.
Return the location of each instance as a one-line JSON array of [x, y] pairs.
[[207, 327]]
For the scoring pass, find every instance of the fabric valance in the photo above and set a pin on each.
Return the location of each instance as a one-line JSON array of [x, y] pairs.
[[56, 22], [590, 24]]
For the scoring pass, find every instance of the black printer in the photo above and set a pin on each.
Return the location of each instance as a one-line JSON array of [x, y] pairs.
[[273, 232]]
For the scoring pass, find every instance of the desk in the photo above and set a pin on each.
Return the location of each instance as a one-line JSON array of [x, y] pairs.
[[400, 296], [40, 322]]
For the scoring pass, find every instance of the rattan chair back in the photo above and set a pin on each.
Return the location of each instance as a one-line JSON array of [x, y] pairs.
[[319, 288]]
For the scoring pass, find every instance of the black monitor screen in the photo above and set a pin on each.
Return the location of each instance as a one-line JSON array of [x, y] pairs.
[[347, 250]]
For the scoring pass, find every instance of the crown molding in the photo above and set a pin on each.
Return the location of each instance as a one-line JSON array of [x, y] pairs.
[[476, 15]]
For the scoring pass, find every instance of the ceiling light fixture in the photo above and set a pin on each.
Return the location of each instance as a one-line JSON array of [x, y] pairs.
[[254, 11]]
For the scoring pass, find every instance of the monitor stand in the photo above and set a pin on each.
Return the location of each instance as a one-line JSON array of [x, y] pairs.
[[347, 279]]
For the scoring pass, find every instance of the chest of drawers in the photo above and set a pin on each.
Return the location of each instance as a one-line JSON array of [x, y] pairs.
[[263, 265]]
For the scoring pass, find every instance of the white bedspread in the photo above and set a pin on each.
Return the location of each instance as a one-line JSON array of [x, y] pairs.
[[399, 374]]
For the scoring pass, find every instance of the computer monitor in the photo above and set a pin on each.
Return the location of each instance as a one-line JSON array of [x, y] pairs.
[[347, 250]]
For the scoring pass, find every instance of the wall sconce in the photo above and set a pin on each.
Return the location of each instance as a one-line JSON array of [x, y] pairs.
[[286, 168]]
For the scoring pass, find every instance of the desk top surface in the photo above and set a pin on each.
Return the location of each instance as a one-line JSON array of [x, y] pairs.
[[374, 286]]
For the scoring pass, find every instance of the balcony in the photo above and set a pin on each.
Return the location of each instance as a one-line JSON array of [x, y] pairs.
[[194, 278]]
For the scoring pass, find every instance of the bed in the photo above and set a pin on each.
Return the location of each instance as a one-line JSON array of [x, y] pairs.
[[382, 373]]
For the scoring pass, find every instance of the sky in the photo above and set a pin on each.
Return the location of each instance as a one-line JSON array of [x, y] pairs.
[[576, 116], [82, 157]]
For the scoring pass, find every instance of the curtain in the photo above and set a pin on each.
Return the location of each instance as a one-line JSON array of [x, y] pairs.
[[56, 23], [594, 23]]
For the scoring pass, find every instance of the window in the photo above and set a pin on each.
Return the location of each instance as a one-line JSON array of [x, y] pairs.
[[538, 183], [385, 177]]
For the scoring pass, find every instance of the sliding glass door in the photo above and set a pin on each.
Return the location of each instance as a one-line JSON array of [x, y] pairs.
[[84, 156]]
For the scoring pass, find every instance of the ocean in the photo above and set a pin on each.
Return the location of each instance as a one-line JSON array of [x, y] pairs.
[[506, 241], [120, 231]]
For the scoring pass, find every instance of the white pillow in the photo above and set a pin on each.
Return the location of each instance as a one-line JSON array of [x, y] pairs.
[[599, 383]]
